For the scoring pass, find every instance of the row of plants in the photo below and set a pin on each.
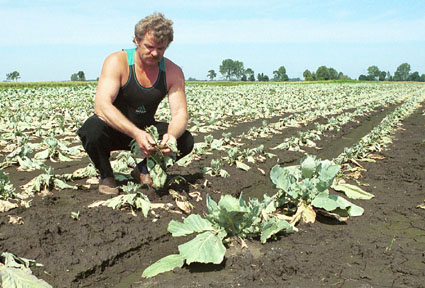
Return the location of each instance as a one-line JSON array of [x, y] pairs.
[[301, 190]]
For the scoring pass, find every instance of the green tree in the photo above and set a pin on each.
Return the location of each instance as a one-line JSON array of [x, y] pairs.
[[230, 69], [414, 77], [262, 77], [280, 74], [212, 75], [307, 75], [373, 72], [402, 72], [13, 76], [249, 73], [341, 76], [74, 77], [382, 75], [322, 73], [239, 69], [422, 78], [80, 76], [333, 74]]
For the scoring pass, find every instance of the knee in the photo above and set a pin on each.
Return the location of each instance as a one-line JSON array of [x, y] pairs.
[[92, 131], [185, 143]]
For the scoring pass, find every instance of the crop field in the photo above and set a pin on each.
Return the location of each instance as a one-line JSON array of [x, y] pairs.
[[289, 185]]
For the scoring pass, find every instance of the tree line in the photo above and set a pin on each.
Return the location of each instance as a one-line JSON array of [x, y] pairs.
[[15, 75], [401, 74], [234, 70]]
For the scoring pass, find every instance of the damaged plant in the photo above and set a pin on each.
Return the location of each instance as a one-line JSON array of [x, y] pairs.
[[157, 161]]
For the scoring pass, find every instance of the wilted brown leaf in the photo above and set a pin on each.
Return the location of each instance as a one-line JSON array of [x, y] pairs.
[[16, 220], [6, 206]]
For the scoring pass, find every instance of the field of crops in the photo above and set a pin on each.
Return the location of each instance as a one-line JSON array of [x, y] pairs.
[[288, 185]]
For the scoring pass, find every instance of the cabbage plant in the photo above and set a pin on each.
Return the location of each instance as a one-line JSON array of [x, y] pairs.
[[230, 217], [158, 162], [6, 188], [306, 186]]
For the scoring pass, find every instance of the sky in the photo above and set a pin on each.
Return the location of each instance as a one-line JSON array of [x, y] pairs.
[[50, 40]]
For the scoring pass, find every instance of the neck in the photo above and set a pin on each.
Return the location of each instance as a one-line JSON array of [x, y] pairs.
[[145, 65]]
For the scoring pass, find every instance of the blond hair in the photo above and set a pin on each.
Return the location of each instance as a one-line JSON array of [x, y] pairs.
[[161, 27]]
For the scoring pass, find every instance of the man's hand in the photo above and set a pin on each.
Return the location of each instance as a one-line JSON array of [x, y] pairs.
[[145, 142], [167, 137]]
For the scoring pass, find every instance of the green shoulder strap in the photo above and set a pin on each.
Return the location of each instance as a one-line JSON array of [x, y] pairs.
[[130, 56], [162, 64]]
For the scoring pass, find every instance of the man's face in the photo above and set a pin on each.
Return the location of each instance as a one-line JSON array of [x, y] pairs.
[[151, 52]]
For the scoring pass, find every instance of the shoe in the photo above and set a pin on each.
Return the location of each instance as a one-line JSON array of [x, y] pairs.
[[140, 178], [108, 186]]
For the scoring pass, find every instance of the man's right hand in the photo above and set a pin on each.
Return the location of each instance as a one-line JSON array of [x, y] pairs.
[[145, 142]]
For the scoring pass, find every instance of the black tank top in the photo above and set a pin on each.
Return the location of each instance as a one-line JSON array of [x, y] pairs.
[[138, 103]]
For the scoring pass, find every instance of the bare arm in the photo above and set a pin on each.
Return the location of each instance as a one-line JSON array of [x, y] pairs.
[[177, 102], [107, 91]]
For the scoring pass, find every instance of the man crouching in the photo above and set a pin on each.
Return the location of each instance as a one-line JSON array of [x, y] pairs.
[[132, 84]]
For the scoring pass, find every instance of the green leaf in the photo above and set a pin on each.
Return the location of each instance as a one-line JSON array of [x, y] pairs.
[[173, 146], [42, 155], [332, 202], [242, 166], [137, 200], [353, 191], [153, 132], [224, 173], [204, 248], [327, 172], [11, 260], [230, 203], [20, 278], [63, 158], [308, 166], [216, 144], [273, 226], [114, 202], [165, 264], [59, 184], [159, 177], [212, 205], [352, 209], [193, 223], [324, 201], [141, 201], [280, 177]]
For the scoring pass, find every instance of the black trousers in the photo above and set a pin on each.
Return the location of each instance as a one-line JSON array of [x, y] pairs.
[[99, 139]]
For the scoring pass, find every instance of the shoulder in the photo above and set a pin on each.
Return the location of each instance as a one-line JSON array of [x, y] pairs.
[[116, 60], [173, 72]]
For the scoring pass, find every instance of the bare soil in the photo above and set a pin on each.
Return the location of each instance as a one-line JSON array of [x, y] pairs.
[[106, 248]]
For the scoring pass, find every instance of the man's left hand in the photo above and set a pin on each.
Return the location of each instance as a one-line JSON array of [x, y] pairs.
[[167, 137]]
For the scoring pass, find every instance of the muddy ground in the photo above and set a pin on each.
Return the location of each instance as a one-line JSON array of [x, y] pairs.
[[106, 248]]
